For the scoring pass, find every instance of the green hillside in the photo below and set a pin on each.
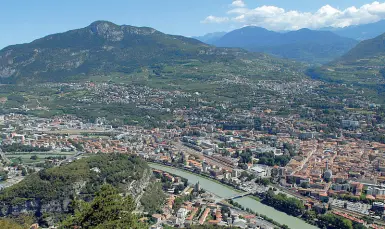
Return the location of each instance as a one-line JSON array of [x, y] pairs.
[[53, 188], [368, 52], [363, 66], [35, 77], [103, 48]]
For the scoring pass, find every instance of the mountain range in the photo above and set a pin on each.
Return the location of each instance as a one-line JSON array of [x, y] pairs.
[[100, 47], [344, 58], [106, 48], [210, 38], [316, 47], [311, 46]]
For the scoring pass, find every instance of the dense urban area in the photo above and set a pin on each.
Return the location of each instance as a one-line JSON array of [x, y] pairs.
[[113, 126], [308, 169]]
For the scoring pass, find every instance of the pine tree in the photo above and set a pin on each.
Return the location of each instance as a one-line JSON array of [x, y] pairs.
[[108, 210]]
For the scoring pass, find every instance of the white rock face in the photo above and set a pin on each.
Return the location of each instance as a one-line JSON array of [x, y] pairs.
[[109, 32], [6, 72]]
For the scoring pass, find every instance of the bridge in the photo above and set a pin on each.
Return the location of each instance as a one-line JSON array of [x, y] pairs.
[[239, 195], [236, 196]]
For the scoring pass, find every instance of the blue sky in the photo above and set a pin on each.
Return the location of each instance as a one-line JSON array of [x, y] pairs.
[[24, 20]]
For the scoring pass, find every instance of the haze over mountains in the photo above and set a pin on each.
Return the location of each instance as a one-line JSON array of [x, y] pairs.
[[360, 32], [311, 46], [302, 45], [210, 38]]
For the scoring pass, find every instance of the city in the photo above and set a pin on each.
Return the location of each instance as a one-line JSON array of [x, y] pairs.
[[192, 114], [342, 175]]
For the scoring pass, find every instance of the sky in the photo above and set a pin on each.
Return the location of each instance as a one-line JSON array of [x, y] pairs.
[[23, 21]]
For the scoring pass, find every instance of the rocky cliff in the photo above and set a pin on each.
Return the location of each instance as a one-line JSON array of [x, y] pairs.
[[33, 195]]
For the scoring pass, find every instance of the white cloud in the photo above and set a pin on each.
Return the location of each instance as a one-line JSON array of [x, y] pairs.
[[213, 19], [238, 3], [276, 18], [238, 11]]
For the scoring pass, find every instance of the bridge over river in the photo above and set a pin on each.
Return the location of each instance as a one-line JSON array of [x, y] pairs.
[[233, 197], [227, 193]]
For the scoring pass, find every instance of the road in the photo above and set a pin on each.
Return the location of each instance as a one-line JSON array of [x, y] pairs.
[[70, 158], [4, 157], [304, 161]]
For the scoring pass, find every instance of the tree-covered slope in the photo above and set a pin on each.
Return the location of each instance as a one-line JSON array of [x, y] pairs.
[[107, 210], [367, 52], [101, 47], [51, 190], [104, 48], [363, 66]]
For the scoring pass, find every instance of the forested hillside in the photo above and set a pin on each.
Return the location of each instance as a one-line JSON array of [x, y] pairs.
[[53, 191]]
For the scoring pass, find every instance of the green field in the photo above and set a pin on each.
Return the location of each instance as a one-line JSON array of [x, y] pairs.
[[41, 156]]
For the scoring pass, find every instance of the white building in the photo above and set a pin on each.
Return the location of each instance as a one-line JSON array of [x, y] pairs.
[[261, 171]]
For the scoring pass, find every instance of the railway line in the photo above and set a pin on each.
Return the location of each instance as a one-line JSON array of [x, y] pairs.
[[209, 159]]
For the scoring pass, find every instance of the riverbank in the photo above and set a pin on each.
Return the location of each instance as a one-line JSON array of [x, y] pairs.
[[203, 176], [225, 191]]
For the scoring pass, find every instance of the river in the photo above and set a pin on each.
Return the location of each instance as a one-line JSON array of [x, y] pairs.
[[247, 202]]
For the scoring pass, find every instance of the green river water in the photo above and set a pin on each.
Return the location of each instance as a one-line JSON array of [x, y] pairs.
[[247, 202]]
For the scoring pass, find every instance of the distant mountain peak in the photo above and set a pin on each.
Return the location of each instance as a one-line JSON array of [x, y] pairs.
[[304, 30], [210, 38], [114, 32], [103, 23], [107, 30], [253, 27], [100, 48]]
